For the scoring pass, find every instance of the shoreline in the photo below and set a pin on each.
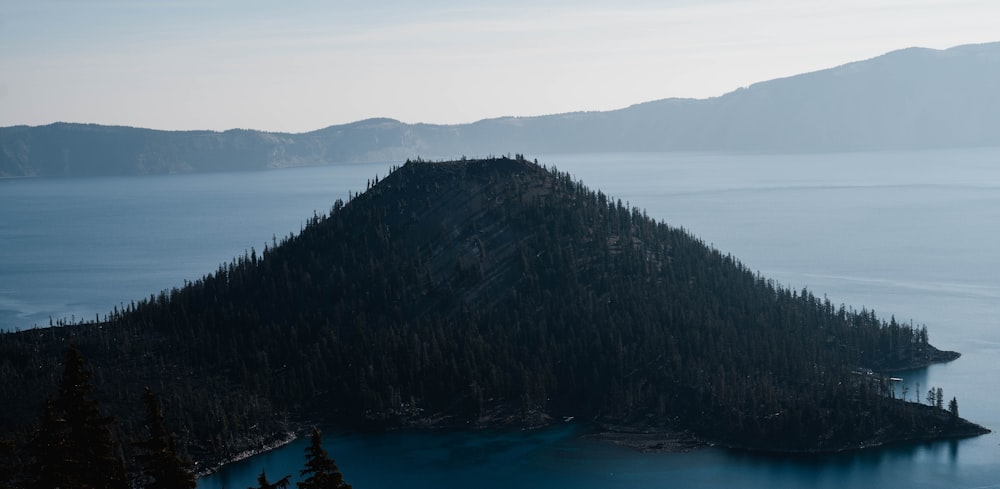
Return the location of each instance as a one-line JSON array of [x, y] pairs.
[[934, 357], [289, 437], [645, 439], [642, 440]]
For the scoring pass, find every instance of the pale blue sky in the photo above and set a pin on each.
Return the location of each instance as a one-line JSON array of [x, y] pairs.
[[306, 65]]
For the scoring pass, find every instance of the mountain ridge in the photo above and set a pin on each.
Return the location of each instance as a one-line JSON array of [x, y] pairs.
[[914, 98]]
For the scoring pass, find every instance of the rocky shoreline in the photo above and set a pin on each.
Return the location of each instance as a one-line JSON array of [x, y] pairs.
[[213, 467], [640, 437], [645, 439], [932, 356]]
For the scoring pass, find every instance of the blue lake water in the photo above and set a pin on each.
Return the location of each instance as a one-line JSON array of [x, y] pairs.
[[913, 234], [78, 247], [558, 458]]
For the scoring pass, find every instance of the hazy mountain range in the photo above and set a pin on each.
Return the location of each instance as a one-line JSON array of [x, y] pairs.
[[908, 99]]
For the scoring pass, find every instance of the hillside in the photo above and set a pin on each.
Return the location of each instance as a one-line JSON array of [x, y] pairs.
[[489, 293], [65, 150], [909, 99]]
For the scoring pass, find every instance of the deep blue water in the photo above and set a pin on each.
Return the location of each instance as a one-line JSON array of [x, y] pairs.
[[913, 234]]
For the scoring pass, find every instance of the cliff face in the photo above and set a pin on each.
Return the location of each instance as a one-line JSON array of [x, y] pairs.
[[908, 99]]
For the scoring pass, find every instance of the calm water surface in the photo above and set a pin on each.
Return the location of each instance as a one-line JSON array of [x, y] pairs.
[[78, 247], [913, 234]]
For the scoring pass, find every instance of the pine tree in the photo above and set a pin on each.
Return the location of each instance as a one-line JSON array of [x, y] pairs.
[[953, 407], [161, 465], [7, 464], [262, 482], [321, 470], [49, 449], [72, 446]]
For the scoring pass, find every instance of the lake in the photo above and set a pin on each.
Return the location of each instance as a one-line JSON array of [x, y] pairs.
[[73, 248], [912, 234]]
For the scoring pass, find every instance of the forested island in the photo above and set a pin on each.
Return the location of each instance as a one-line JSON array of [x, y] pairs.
[[482, 294]]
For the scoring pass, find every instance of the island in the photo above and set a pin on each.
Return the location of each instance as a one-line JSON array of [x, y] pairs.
[[490, 293]]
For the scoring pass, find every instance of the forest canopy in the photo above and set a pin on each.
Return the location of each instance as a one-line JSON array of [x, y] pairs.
[[491, 292]]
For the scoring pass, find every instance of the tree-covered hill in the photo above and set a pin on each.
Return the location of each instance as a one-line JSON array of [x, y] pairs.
[[482, 293]]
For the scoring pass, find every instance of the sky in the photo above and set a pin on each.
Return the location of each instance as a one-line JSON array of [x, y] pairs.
[[304, 65]]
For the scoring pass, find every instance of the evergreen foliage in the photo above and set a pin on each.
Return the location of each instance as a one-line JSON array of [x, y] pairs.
[[162, 467], [8, 464], [73, 446], [320, 471], [485, 292], [263, 483]]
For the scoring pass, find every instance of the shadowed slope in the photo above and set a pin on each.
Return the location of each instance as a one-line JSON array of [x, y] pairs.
[[493, 292]]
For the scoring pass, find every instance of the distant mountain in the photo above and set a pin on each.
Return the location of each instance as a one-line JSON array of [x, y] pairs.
[[491, 293], [909, 99], [86, 149]]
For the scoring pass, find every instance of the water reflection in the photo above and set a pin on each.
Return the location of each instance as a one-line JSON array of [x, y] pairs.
[[914, 384], [894, 466], [560, 457]]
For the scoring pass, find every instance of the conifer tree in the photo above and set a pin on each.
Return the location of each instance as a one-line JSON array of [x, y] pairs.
[[262, 482], [161, 465], [48, 449], [7, 464], [321, 470], [73, 447]]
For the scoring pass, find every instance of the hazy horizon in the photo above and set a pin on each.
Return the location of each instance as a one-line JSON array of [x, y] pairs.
[[296, 68]]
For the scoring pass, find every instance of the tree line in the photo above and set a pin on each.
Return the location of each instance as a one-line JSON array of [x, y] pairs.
[[73, 445]]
